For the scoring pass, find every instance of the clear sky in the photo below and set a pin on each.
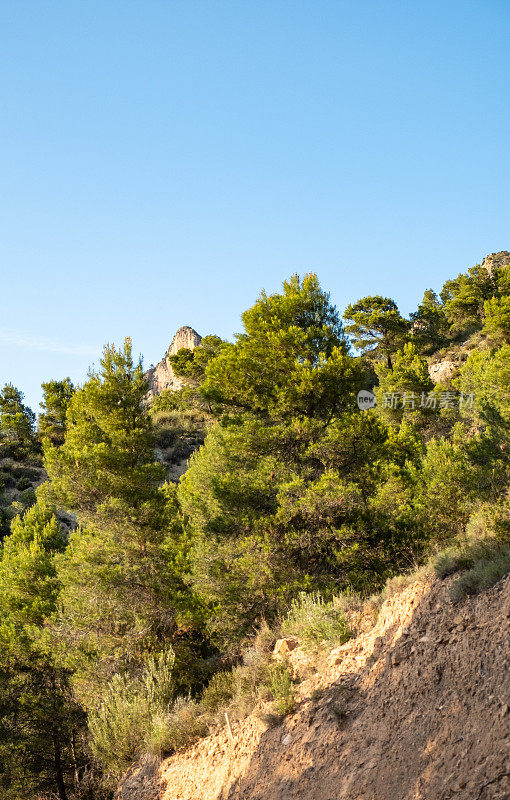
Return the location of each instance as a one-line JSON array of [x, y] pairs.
[[162, 161]]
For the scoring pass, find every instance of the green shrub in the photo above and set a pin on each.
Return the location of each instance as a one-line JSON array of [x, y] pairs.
[[483, 574], [7, 479], [177, 728], [28, 497], [167, 437], [450, 560], [315, 621], [219, 691], [482, 556], [25, 472], [237, 692], [122, 725], [24, 483], [282, 688]]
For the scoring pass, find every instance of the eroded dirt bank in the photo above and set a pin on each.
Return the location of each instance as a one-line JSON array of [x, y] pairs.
[[417, 708]]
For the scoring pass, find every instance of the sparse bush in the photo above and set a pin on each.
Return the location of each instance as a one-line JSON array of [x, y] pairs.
[[483, 574], [27, 497], [25, 472], [177, 728], [451, 560], [483, 555], [7, 479], [24, 483], [282, 688], [265, 639], [130, 711], [238, 691], [166, 437], [395, 585], [219, 691], [315, 621]]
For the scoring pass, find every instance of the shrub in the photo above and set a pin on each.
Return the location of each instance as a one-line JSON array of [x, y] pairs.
[[282, 688], [7, 479], [315, 621], [219, 691], [483, 555], [450, 560], [122, 724], [28, 497], [177, 728], [237, 692], [24, 483], [26, 472], [483, 574]]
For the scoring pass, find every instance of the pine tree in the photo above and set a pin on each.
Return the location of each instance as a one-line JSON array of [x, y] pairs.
[[497, 319], [291, 359], [377, 328], [107, 457], [277, 498], [429, 325], [403, 391], [17, 423], [122, 587], [52, 419], [464, 298], [41, 725]]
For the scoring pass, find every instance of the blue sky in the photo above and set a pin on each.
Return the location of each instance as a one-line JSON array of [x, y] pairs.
[[162, 162]]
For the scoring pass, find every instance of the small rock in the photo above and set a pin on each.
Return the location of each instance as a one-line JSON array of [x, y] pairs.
[[336, 656], [283, 647], [286, 740]]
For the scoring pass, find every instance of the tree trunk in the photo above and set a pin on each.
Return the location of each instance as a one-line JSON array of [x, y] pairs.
[[59, 775]]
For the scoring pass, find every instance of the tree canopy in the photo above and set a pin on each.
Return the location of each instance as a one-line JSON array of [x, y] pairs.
[[376, 326]]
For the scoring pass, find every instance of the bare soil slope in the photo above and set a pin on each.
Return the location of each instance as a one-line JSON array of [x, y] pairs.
[[417, 708]]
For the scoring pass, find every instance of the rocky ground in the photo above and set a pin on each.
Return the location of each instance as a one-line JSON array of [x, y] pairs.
[[414, 708]]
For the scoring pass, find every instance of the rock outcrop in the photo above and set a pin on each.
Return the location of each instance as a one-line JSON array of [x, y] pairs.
[[496, 260], [162, 376], [443, 371]]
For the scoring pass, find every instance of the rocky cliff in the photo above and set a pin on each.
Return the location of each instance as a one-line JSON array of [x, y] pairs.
[[496, 261], [416, 707], [162, 376]]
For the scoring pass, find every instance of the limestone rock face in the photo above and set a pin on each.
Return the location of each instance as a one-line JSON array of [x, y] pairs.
[[185, 338], [496, 260], [162, 376], [443, 371]]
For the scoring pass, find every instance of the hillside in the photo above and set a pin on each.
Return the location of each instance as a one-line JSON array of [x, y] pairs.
[[415, 708], [236, 499]]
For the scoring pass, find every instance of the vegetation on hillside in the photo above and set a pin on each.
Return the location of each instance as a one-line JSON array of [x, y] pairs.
[[136, 609]]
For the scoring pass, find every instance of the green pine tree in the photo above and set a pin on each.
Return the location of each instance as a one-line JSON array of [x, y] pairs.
[[17, 425], [41, 741], [377, 328], [122, 586], [52, 419], [290, 360]]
